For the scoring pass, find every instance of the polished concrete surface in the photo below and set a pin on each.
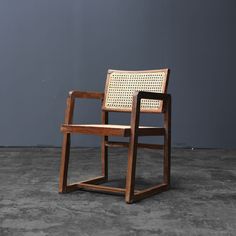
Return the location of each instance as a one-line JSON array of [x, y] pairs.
[[202, 200]]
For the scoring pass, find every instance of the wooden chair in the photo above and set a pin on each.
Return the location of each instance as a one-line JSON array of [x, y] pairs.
[[125, 91]]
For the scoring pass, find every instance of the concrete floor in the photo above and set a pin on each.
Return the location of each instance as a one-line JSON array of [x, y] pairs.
[[202, 200]]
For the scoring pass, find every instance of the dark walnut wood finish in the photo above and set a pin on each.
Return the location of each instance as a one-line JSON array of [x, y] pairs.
[[105, 130]]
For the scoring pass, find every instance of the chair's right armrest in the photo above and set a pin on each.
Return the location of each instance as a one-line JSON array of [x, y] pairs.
[[138, 95], [151, 95]]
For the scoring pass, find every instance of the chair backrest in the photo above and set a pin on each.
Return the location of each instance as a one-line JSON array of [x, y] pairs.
[[120, 86]]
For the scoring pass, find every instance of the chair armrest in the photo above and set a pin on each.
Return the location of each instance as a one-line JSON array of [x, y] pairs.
[[150, 95], [71, 102], [83, 94], [135, 114], [138, 95]]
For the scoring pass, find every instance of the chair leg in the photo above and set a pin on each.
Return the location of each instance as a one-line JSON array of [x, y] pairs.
[[104, 157], [166, 163], [64, 163], [130, 177]]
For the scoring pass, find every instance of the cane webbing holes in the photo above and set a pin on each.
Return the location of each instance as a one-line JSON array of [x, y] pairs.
[[121, 87]]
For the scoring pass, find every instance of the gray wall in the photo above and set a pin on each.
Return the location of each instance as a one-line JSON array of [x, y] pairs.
[[49, 47]]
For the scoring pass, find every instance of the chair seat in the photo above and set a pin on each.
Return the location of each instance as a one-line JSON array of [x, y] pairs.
[[110, 129]]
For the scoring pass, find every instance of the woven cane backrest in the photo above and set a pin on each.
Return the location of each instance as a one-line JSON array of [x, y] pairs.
[[121, 85]]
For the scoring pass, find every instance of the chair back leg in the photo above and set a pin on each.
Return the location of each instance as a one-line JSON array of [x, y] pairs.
[[166, 162], [104, 157], [167, 145]]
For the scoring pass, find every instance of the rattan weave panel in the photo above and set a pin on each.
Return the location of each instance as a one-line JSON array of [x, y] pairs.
[[121, 86]]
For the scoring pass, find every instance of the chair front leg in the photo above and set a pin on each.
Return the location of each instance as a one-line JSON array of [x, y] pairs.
[[64, 163], [132, 154], [130, 177]]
